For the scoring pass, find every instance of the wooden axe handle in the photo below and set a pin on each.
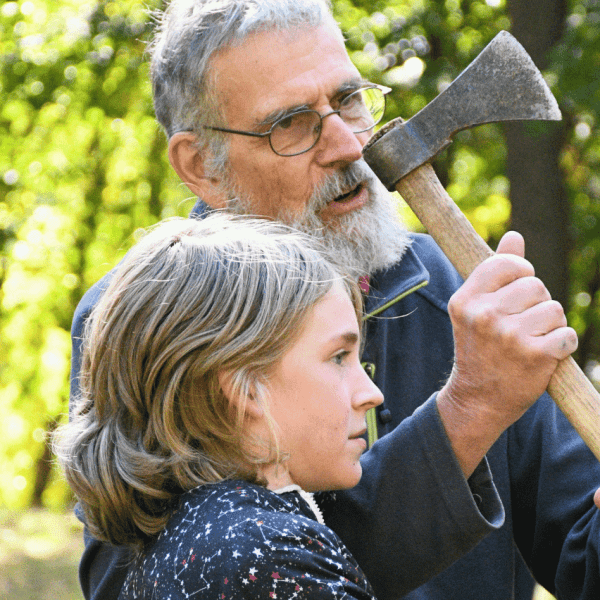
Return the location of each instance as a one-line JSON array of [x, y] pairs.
[[569, 387]]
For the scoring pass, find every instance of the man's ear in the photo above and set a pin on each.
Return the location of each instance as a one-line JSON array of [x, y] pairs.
[[189, 165], [252, 408]]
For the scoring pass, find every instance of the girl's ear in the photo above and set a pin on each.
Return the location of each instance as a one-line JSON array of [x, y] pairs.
[[188, 162], [252, 408]]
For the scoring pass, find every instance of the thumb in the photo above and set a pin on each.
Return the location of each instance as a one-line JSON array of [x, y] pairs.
[[511, 243]]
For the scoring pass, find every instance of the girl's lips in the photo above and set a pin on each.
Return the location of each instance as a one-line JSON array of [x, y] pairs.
[[346, 203], [358, 434], [360, 442]]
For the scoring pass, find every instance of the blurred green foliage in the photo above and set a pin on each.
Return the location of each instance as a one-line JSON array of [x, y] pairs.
[[83, 166]]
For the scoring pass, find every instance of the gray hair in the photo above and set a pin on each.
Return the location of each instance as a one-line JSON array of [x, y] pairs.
[[189, 33], [193, 299]]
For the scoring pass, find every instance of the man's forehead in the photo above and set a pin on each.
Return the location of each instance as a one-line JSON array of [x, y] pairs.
[[273, 70]]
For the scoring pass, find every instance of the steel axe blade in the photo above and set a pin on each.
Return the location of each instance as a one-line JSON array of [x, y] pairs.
[[501, 84]]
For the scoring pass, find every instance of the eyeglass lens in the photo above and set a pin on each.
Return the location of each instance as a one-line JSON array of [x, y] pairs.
[[298, 132]]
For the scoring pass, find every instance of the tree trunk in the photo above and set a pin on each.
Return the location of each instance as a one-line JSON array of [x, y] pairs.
[[540, 205], [43, 466]]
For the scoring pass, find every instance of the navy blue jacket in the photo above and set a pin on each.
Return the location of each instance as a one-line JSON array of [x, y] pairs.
[[544, 473], [413, 513]]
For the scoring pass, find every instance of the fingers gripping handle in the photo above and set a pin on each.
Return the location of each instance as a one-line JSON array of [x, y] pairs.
[[569, 387]]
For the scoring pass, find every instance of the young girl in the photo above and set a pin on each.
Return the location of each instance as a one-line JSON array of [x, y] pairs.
[[221, 385]]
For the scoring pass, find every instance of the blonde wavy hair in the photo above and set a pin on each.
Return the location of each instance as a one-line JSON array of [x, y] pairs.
[[192, 299]]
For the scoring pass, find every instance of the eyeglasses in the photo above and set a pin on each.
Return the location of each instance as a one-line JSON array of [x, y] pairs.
[[298, 132]]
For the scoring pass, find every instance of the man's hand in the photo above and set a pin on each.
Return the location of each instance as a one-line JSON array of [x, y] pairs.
[[509, 336]]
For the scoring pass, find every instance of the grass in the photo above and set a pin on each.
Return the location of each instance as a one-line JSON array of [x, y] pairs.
[[39, 554]]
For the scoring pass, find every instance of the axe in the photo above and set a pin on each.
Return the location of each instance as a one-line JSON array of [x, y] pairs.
[[501, 84]]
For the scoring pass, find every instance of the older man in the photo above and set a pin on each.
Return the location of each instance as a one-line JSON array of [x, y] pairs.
[[266, 114]]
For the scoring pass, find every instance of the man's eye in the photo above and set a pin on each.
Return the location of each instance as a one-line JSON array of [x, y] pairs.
[[354, 102], [349, 98], [286, 122]]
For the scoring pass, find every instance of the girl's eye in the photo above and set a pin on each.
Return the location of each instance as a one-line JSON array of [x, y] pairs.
[[338, 359]]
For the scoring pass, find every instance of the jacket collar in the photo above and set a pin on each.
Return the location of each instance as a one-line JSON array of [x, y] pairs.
[[200, 210], [397, 282], [386, 287]]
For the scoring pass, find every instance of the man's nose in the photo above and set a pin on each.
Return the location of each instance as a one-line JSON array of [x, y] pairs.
[[338, 145]]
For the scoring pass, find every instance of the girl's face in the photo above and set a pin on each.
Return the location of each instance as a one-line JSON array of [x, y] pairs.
[[318, 396]]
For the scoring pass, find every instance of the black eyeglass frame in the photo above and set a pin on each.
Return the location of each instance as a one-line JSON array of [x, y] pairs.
[[385, 90]]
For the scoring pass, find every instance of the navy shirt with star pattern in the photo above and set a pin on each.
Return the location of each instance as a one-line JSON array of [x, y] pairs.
[[234, 540]]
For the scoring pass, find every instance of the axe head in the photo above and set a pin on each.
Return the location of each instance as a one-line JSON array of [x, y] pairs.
[[501, 84]]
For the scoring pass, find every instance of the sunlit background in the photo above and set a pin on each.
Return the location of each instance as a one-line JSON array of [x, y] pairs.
[[83, 168]]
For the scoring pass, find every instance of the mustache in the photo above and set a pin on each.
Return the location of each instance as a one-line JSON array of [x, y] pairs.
[[339, 183]]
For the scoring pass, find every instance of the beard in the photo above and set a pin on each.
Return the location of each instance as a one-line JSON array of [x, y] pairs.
[[361, 242]]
